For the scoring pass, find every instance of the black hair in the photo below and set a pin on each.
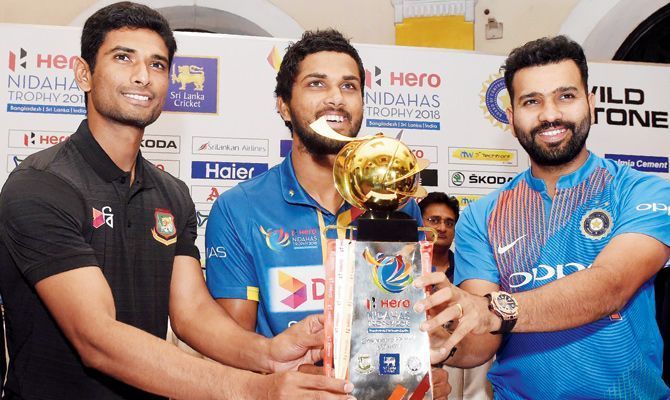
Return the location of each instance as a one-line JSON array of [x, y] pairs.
[[440, 198], [118, 16], [312, 42], [542, 52]]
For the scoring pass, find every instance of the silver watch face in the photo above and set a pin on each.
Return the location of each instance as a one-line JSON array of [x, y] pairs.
[[506, 304]]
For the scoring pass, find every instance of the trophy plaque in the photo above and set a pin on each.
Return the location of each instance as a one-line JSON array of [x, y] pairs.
[[372, 332]]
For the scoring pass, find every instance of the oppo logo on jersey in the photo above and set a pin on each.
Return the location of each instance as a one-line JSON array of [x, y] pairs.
[[543, 273], [654, 207]]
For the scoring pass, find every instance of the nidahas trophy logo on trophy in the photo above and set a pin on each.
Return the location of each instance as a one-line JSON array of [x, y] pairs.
[[372, 332]]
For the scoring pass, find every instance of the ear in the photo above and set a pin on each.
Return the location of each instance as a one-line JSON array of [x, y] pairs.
[[283, 109], [509, 111], [592, 106], [82, 75]]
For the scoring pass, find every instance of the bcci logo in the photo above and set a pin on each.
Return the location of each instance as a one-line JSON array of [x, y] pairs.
[[276, 239], [390, 273], [193, 85], [596, 224], [164, 230], [494, 101]]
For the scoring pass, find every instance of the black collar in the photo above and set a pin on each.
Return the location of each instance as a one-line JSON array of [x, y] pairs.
[[96, 157]]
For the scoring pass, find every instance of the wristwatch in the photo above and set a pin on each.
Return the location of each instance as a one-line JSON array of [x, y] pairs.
[[506, 308]]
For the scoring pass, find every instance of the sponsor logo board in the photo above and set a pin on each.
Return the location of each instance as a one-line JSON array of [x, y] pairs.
[[641, 163], [169, 166], [479, 179], [207, 194], [230, 146], [35, 139], [161, 144], [238, 171], [483, 156]]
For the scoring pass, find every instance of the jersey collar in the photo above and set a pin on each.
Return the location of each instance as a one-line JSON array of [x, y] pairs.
[[96, 157], [293, 192], [565, 181]]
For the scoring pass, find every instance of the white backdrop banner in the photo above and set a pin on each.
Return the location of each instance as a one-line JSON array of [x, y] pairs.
[[220, 126]]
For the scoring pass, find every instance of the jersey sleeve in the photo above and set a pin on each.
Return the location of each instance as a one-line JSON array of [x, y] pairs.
[[230, 267], [644, 206], [473, 255], [186, 238], [41, 219]]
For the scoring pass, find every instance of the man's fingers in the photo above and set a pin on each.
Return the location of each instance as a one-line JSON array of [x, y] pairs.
[[432, 278], [448, 314], [310, 369], [441, 387], [438, 298], [325, 383]]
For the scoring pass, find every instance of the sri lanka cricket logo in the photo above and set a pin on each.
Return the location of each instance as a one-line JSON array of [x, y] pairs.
[[390, 273]]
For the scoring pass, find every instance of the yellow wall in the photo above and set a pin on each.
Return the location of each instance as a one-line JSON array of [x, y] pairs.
[[450, 32]]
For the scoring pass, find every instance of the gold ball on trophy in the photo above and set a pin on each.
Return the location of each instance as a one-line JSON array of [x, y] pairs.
[[379, 173]]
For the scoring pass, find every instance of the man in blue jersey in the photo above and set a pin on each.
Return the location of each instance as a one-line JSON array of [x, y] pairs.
[[264, 243], [556, 268]]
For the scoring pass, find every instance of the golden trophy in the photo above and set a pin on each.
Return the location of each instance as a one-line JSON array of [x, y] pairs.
[[372, 332]]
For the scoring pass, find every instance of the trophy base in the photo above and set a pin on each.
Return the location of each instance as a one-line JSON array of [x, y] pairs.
[[395, 226]]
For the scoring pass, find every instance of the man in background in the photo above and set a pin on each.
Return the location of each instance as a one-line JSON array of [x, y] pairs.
[[440, 212]]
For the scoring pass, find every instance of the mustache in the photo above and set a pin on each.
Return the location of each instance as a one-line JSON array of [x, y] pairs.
[[554, 124]]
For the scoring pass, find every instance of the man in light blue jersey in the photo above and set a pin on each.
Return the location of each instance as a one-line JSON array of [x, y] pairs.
[[265, 250], [556, 268]]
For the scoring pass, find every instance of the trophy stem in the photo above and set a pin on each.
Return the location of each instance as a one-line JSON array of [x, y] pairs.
[[387, 226]]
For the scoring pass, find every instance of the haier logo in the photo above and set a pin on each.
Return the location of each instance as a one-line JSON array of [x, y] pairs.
[[226, 170], [297, 289], [543, 273], [160, 144]]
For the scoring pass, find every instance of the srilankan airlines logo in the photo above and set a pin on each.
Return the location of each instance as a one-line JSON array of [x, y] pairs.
[[390, 273], [276, 239]]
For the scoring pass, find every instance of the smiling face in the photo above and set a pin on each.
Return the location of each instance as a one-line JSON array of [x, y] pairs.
[[130, 80], [327, 83], [551, 114]]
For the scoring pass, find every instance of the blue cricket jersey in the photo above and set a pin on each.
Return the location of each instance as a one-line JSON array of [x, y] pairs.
[[263, 243], [521, 239]]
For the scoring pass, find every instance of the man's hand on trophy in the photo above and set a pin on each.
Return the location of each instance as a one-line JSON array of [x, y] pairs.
[[298, 385], [469, 311], [441, 387], [300, 344]]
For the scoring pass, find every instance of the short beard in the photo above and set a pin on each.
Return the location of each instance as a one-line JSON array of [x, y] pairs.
[[558, 155], [316, 144]]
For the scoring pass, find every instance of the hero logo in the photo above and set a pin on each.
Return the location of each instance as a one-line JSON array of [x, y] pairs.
[[297, 289], [160, 144], [19, 138], [543, 273], [411, 79], [654, 207], [47, 61]]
